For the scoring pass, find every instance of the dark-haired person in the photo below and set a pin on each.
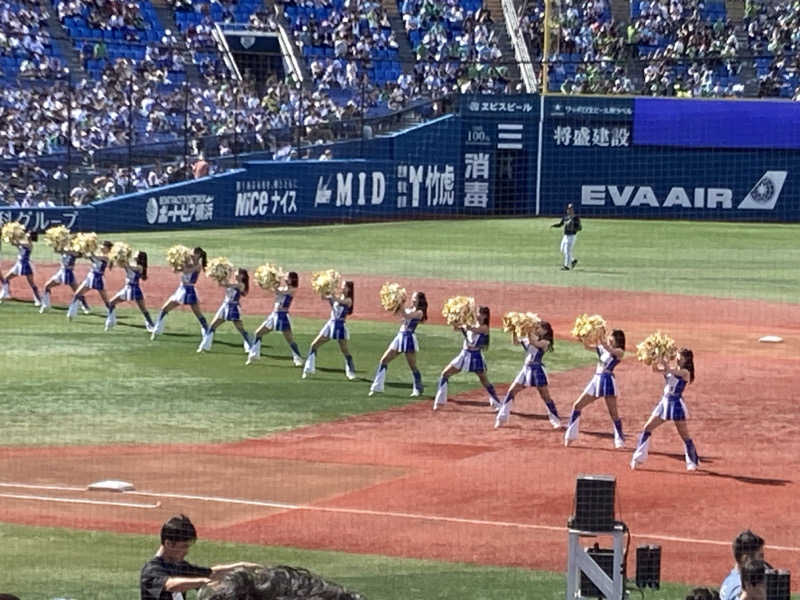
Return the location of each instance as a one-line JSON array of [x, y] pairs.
[[476, 339], [64, 276], [602, 385], [405, 342], [278, 320], [185, 294], [335, 329], [22, 267], [229, 310], [93, 281], [754, 580], [268, 583], [132, 292], [703, 594], [747, 546], [671, 408], [168, 575], [532, 374], [572, 225]]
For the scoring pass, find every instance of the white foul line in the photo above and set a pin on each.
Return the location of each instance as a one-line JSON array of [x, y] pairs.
[[361, 511], [80, 501]]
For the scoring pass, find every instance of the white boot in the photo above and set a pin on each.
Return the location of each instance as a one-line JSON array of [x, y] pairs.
[[297, 360], [45, 302], [4, 292], [377, 383], [554, 420], [309, 367], [440, 399], [254, 353], [72, 310], [503, 414], [208, 339], [111, 320], [157, 329], [571, 434], [640, 454]]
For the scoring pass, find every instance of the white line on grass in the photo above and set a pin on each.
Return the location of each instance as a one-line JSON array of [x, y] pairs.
[[380, 513]]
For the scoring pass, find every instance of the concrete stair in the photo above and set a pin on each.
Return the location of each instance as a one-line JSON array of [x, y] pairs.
[[502, 38], [405, 54], [280, 18], [61, 39], [167, 19], [621, 11], [734, 10]]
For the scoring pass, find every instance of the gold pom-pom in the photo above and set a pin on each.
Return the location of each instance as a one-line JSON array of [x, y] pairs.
[[219, 269], [269, 276], [393, 296], [325, 283], [13, 232], [178, 256], [57, 237], [84, 243], [460, 310], [655, 348], [520, 324], [589, 328], [120, 253]]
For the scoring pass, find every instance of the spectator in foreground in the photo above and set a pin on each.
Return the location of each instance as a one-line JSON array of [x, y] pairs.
[[201, 167], [167, 575], [754, 580], [746, 547], [274, 583], [703, 594]]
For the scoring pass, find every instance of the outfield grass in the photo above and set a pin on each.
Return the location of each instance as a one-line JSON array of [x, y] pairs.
[[75, 384], [739, 260], [45, 563]]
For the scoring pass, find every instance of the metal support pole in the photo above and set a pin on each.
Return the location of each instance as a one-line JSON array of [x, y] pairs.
[[579, 561]]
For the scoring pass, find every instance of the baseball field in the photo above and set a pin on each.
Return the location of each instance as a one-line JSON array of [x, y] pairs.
[[381, 493]]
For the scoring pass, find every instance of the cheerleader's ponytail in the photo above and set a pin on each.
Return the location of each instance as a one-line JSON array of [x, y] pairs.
[[141, 260]]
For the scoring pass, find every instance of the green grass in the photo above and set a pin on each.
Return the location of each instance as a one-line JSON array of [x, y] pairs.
[[739, 260], [45, 563], [72, 384], [75, 384]]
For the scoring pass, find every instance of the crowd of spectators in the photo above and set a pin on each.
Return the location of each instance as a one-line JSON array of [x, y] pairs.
[[25, 44]]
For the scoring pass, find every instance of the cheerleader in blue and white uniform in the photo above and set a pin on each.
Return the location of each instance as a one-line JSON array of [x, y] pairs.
[[603, 385], [335, 329], [405, 342], [671, 408], [229, 310], [22, 267], [132, 292], [278, 320], [476, 339], [532, 374], [93, 281], [64, 276], [185, 294]]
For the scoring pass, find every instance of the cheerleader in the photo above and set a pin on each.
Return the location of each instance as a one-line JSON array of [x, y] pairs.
[[671, 408], [602, 385], [185, 294], [64, 276], [132, 292], [341, 306], [470, 358], [22, 267], [229, 310], [93, 281], [278, 320], [532, 374], [405, 342]]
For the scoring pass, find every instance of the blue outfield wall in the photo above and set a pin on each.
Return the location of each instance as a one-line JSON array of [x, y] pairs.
[[611, 157]]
